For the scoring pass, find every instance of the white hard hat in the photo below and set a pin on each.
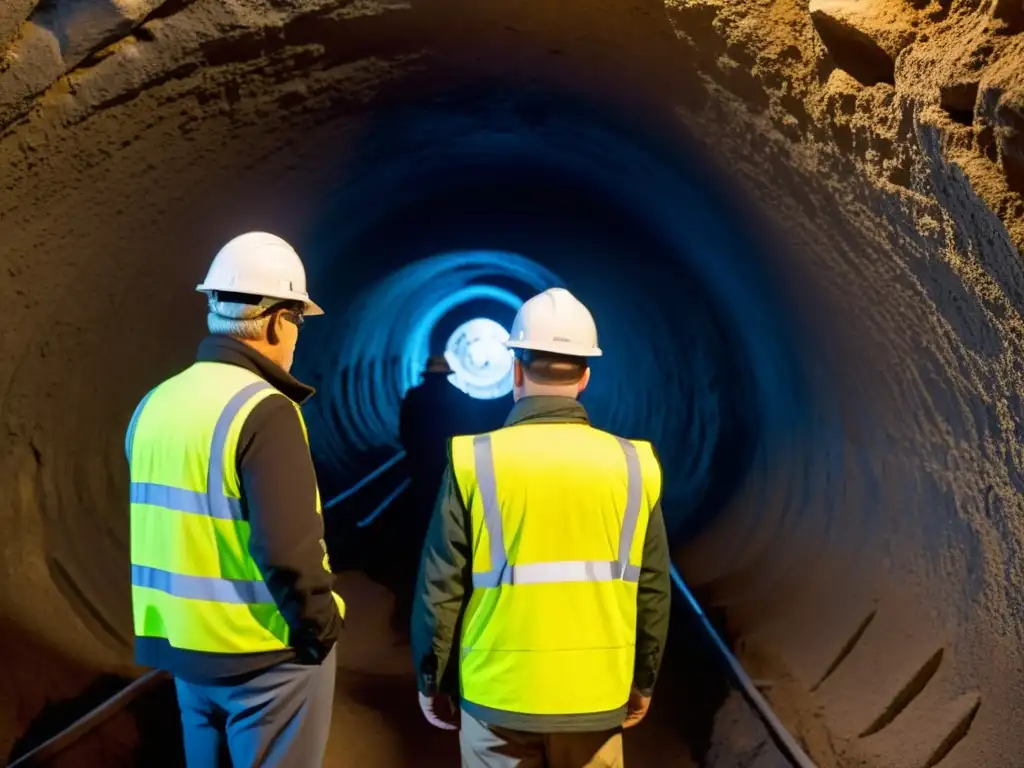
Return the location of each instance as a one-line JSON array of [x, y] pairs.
[[555, 321], [260, 264]]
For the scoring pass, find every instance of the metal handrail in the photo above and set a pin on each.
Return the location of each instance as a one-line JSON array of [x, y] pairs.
[[785, 741], [384, 504], [787, 744], [96, 717], [91, 720], [368, 479]]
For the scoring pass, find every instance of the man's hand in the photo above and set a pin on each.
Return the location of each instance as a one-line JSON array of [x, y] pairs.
[[439, 711], [636, 709], [309, 650]]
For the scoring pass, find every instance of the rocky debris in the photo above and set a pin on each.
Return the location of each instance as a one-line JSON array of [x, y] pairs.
[[1010, 139], [958, 98], [34, 62], [863, 38], [740, 740], [58, 37], [14, 14], [949, 66], [853, 51], [1000, 116], [967, 81], [1011, 15], [1012, 150]]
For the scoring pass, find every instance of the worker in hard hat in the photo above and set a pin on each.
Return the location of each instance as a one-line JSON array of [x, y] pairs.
[[547, 549], [231, 585], [432, 412]]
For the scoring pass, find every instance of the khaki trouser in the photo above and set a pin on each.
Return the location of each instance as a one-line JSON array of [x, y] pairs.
[[485, 746]]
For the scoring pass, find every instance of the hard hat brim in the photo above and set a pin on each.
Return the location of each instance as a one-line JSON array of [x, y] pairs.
[[312, 309], [556, 348]]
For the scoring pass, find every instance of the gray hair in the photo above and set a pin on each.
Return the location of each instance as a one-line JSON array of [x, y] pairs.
[[243, 321]]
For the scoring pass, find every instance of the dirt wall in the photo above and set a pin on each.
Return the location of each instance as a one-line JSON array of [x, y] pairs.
[[870, 563]]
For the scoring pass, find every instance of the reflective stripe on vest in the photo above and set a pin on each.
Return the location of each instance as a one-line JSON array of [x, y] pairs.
[[563, 508], [553, 572], [212, 503]]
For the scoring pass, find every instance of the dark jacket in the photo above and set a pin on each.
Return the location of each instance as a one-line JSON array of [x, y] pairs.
[[279, 501], [445, 581]]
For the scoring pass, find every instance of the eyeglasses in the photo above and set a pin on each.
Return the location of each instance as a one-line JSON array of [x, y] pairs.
[[293, 316]]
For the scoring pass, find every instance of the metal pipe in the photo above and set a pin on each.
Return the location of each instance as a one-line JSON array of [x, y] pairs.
[[785, 741], [368, 479], [91, 720], [384, 504]]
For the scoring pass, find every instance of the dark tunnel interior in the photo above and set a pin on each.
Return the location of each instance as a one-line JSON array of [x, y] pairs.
[[683, 292], [704, 356], [807, 289]]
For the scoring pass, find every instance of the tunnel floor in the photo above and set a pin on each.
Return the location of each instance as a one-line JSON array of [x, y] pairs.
[[376, 698], [377, 722]]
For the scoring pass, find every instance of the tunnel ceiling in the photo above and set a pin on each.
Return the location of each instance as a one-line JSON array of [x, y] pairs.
[[871, 564]]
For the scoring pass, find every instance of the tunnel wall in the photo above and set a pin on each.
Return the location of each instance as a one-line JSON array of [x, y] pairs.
[[923, 542], [873, 557]]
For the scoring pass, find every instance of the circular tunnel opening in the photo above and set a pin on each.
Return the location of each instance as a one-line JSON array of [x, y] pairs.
[[481, 222], [669, 372], [691, 332], [690, 328], [474, 225]]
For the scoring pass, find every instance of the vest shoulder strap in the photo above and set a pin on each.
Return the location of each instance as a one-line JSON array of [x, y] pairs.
[[650, 470], [214, 501], [473, 464]]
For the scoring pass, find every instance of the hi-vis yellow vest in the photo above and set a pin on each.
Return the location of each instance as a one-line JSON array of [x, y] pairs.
[[194, 582], [559, 515]]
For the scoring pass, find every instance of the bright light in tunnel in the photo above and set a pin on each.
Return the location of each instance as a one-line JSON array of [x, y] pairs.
[[481, 363], [386, 334]]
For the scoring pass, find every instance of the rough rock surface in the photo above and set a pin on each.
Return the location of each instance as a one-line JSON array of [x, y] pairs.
[[58, 37], [14, 15], [744, 741], [882, 586]]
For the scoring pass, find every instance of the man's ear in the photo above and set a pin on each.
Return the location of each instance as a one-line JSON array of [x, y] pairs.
[[273, 335], [517, 373], [583, 381]]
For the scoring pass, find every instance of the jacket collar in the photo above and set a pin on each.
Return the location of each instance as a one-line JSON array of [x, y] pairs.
[[547, 410], [224, 349]]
